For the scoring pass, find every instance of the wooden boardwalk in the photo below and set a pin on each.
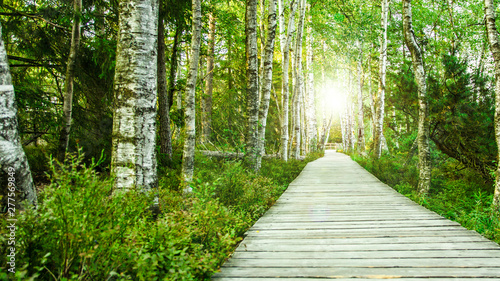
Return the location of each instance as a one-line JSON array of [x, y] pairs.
[[337, 221]]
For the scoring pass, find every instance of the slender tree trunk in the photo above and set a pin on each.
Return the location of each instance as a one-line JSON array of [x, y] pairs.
[[380, 102], [190, 100], [311, 104], [494, 42], [133, 161], [13, 161], [372, 98], [252, 144], [174, 63], [206, 115], [163, 100], [299, 80], [285, 90], [267, 79], [68, 84], [281, 20], [303, 126], [423, 120], [361, 115]]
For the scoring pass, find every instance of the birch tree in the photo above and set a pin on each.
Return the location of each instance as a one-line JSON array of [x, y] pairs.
[[206, 116], [299, 79], [267, 79], [252, 85], [312, 134], [133, 161], [13, 161], [494, 42], [284, 88], [423, 112], [190, 101], [69, 80], [380, 101], [361, 125]]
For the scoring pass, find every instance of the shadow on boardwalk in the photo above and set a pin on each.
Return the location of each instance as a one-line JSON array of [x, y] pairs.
[[337, 221]]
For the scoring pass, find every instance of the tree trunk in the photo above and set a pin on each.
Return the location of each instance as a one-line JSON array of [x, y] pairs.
[[133, 161], [281, 20], [311, 104], [361, 115], [284, 88], [252, 144], [206, 115], [267, 79], [173, 75], [190, 100], [13, 161], [372, 99], [423, 119], [380, 102], [494, 42], [299, 79], [163, 100], [68, 85]]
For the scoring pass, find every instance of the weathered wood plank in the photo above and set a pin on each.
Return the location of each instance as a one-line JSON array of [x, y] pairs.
[[360, 272], [399, 254], [344, 279], [378, 262]]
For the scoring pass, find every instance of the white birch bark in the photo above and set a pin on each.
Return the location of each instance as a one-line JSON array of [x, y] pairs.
[[311, 104], [285, 85], [190, 101], [267, 79], [299, 80], [424, 164], [380, 102], [494, 43], [252, 87], [206, 116], [361, 125], [13, 161], [133, 161], [281, 20], [68, 83], [372, 98]]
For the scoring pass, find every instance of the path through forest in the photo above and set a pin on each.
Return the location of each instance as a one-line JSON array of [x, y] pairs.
[[338, 221]]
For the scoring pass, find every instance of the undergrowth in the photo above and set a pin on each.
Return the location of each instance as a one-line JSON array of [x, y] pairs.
[[456, 193], [83, 231]]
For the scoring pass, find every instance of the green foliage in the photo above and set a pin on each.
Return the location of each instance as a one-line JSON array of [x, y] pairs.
[[83, 230]]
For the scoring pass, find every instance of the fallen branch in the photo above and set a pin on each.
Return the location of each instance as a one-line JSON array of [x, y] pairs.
[[236, 155]]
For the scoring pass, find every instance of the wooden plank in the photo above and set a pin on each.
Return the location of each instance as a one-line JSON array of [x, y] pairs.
[[257, 247], [342, 279], [378, 262], [365, 240], [399, 254], [360, 272]]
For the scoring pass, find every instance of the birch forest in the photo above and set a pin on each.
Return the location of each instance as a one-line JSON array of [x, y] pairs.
[[140, 139]]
